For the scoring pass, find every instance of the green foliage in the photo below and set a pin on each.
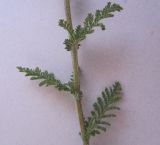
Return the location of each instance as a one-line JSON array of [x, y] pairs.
[[92, 20], [96, 122], [47, 79]]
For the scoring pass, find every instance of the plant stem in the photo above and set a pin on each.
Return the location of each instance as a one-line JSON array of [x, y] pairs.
[[78, 99]]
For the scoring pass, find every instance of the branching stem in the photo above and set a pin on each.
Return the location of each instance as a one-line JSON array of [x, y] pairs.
[[78, 98]]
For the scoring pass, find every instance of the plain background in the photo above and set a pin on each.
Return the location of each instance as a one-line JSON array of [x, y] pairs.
[[129, 51]]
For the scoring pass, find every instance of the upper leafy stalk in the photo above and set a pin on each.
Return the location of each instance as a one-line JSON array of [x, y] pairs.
[[92, 20], [97, 121]]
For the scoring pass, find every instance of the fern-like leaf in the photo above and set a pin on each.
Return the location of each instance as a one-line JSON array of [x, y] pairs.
[[96, 122], [47, 79], [92, 20]]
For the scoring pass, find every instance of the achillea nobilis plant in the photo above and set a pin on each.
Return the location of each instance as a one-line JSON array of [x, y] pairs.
[[103, 108]]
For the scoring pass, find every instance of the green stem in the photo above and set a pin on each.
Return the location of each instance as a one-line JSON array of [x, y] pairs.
[[74, 55]]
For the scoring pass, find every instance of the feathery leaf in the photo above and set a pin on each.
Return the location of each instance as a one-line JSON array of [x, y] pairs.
[[91, 21], [47, 79], [96, 122]]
